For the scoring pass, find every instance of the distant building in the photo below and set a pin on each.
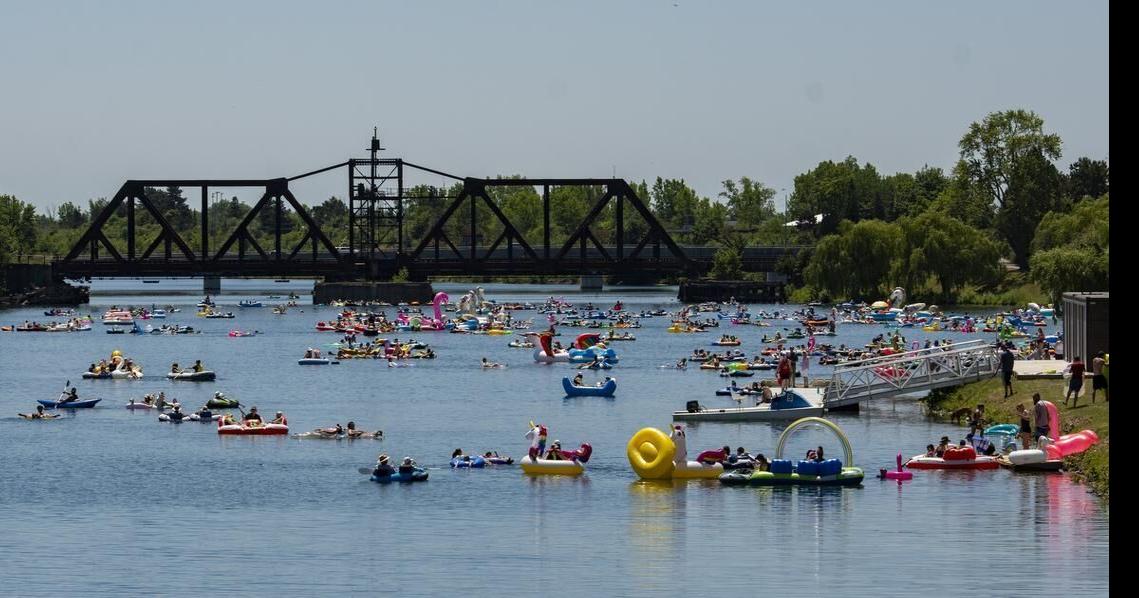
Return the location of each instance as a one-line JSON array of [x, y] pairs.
[[1086, 324]]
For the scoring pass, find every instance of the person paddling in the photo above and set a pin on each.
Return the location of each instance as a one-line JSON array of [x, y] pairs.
[[69, 397]]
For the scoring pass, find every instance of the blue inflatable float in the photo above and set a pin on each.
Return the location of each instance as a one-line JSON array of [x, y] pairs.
[[605, 390], [468, 461], [416, 475]]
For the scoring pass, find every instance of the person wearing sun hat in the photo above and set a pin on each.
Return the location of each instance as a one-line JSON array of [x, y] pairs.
[[383, 466], [408, 466]]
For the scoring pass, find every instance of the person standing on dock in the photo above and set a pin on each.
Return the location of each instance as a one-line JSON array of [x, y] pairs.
[[1006, 369]]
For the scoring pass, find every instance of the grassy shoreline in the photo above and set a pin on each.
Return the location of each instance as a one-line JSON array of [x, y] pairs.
[[1090, 467]]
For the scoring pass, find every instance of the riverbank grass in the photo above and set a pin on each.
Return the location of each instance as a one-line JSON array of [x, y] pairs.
[[1091, 467]]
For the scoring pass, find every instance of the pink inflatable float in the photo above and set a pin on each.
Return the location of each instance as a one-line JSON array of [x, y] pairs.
[[898, 474], [1071, 444]]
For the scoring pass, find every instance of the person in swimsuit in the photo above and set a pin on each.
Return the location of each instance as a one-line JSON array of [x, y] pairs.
[[1025, 431]]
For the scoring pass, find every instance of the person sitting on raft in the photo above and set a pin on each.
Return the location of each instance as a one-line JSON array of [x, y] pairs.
[[92, 369], [280, 419], [252, 416], [177, 414], [555, 452], [383, 467], [408, 466], [942, 446], [490, 364], [204, 413], [578, 380], [228, 420], [930, 451], [981, 444], [819, 454], [742, 455], [682, 364], [174, 369], [761, 462], [198, 368]]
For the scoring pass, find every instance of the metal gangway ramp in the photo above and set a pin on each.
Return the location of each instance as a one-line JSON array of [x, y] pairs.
[[913, 371]]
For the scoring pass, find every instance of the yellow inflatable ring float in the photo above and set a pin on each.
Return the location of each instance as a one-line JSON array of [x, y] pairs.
[[650, 452]]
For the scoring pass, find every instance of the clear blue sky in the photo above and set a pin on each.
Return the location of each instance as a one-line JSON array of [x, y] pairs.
[[94, 93]]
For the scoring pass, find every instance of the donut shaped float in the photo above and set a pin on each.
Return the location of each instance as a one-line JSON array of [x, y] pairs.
[[652, 454]]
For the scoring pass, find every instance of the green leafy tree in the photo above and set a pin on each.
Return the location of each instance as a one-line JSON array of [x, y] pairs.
[[1071, 250], [992, 150], [857, 262], [1085, 226], [963, 200], [934, 244], [839, 191], [1065, 269], [17, 227], [71, 216], [727, 264], [674, 202], [708, 222], [1033, 191], [911, 194], [331, 214], [749, 202], [1086, 178]]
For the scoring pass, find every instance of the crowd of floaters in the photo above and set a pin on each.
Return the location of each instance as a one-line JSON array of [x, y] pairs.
[[652, 454]]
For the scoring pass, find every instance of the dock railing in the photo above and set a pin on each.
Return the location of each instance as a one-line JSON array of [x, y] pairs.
[[911, 371]]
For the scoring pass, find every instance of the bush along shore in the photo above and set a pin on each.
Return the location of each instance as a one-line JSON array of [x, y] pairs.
[[1090, 467]]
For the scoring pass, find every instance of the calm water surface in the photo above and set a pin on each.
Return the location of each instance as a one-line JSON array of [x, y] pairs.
[[110, 501]]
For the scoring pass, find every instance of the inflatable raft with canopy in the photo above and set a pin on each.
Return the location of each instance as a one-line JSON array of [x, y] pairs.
[[829, 472]]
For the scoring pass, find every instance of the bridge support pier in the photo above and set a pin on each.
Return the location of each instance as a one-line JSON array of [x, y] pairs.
[[592, 282], [211, 285]]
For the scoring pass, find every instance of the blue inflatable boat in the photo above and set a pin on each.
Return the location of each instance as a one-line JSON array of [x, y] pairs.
[[468, 461], [605, 390], [417, 475]]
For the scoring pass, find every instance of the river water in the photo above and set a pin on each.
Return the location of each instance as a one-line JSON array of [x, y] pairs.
[[109, 501]]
